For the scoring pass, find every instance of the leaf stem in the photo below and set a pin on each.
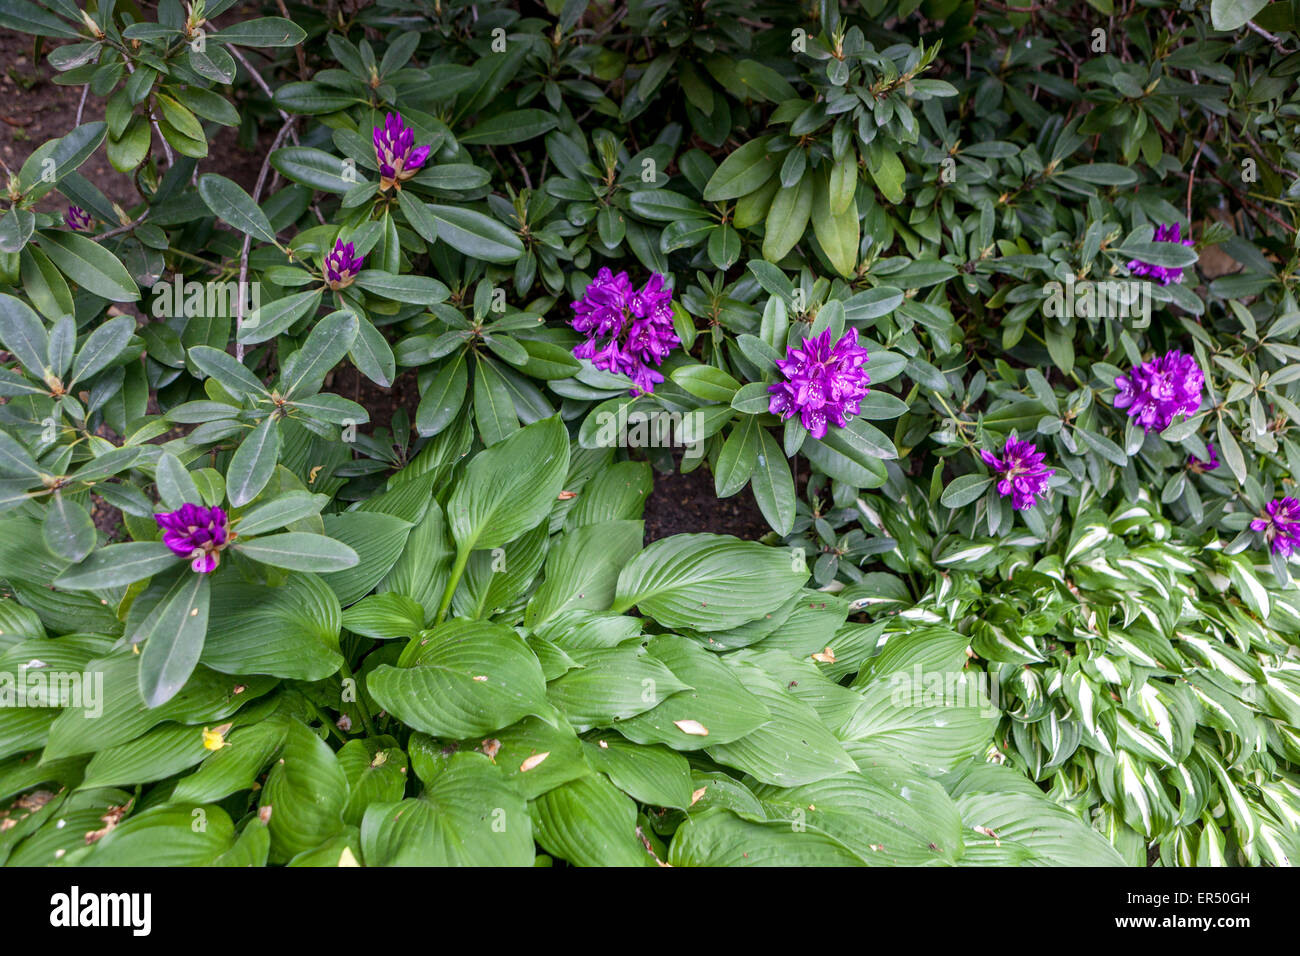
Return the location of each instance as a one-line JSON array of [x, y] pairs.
[[457, 569]]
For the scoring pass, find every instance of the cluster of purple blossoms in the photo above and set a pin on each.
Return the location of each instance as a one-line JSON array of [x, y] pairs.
[[628, 330], [1281, 526], [342, 265], [1197, 465], [395, 150], [196, 532], [1160, 388], [1161, 274], [1021, 471], [77, 219], [824, 381]]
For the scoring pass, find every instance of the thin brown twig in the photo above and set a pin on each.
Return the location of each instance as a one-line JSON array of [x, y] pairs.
[[261, 83], [248, 238], [121, 229], [85, 91]]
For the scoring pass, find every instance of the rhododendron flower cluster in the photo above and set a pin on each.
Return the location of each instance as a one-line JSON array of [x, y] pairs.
[[824, 381], [628, 330], [1160, 388]]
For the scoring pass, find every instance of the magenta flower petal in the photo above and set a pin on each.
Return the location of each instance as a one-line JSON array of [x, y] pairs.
[[342, 265], [1023, 476], [823, 381], [1280, 525], [195, 532], [628, 331], [1160, 388]]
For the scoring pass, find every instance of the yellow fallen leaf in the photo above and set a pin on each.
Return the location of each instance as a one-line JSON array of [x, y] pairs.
[[346, 858], [697, 794], [533, 761], [692, 727], [825, 657]]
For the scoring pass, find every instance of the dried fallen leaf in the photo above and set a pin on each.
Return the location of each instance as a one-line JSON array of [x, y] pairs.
[[825, 657], [697, 794], [533, 761], [692, 727], [490, 747]]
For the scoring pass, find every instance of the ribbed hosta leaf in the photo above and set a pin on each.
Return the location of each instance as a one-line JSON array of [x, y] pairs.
[[793, 747], [707, 581], [462, 679], [469, 816]]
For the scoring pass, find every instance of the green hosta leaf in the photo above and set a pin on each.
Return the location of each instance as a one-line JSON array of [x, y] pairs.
[[707, 581], [306, 791], [290, 630], [582, 569], [68, 530], [719, 837], [717, 709], [652, 775], [235, 767], [589, 822], [166, 836], [462, 679], [1009, 822], [889, 815], [469, 816], [794, 747], [613, 685], [510, 487]]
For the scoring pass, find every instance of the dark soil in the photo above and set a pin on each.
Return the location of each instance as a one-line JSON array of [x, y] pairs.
[[687, 504]]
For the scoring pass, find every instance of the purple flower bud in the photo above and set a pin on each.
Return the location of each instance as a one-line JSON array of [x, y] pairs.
[[78, 219], [196, 532], [1022, 473], [1162, 274], [1197, 465], [395, 150], [1160, 388], [638, 324], [824, 381], [342, 265], [1280, 525]]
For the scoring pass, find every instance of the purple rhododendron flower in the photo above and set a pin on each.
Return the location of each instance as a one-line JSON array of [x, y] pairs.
[[638, 324], [824, 381], [1162, 274], [1022, 473], [395, 150], [1281, 527], [1198, 465], [1160, 388], [193, 531], [78, 219], [342, 265]]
